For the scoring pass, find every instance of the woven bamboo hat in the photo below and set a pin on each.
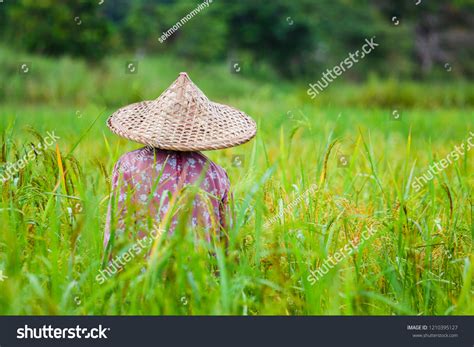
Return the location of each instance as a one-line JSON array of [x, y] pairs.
[[182, 118]]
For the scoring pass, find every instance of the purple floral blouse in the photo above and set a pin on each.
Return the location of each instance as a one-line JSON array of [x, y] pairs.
[[134, 183]]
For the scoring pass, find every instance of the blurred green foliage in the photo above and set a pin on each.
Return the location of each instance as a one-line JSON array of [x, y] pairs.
[[292, 38], [69, 80], [52, 27]]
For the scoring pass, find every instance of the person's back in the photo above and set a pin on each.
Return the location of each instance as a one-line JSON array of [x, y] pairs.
[[148, 179]]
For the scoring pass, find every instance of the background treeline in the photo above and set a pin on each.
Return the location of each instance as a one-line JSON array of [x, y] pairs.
[[288, 38]]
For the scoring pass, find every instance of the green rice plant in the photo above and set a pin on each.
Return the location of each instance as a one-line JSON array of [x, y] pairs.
[[347, 144]]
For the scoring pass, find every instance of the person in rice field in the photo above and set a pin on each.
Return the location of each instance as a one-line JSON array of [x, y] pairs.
[[175, 128]]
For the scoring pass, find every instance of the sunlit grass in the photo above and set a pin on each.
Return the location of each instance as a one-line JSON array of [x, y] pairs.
[[419, 262], [52, 212]]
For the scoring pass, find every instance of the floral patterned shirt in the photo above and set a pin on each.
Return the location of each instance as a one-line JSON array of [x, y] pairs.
[[150, 179]]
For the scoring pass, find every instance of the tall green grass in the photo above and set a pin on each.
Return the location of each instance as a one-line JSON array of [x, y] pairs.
[[52, 212]]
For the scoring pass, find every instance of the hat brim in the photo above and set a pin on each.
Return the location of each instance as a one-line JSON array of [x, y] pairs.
[[217, 127]]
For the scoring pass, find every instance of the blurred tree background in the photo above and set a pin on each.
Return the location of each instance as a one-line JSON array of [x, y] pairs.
[[278, 37]]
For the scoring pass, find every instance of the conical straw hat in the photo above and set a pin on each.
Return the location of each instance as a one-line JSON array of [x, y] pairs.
[[182, 118]]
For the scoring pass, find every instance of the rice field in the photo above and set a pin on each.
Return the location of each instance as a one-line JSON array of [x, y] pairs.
[[359, 154]]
